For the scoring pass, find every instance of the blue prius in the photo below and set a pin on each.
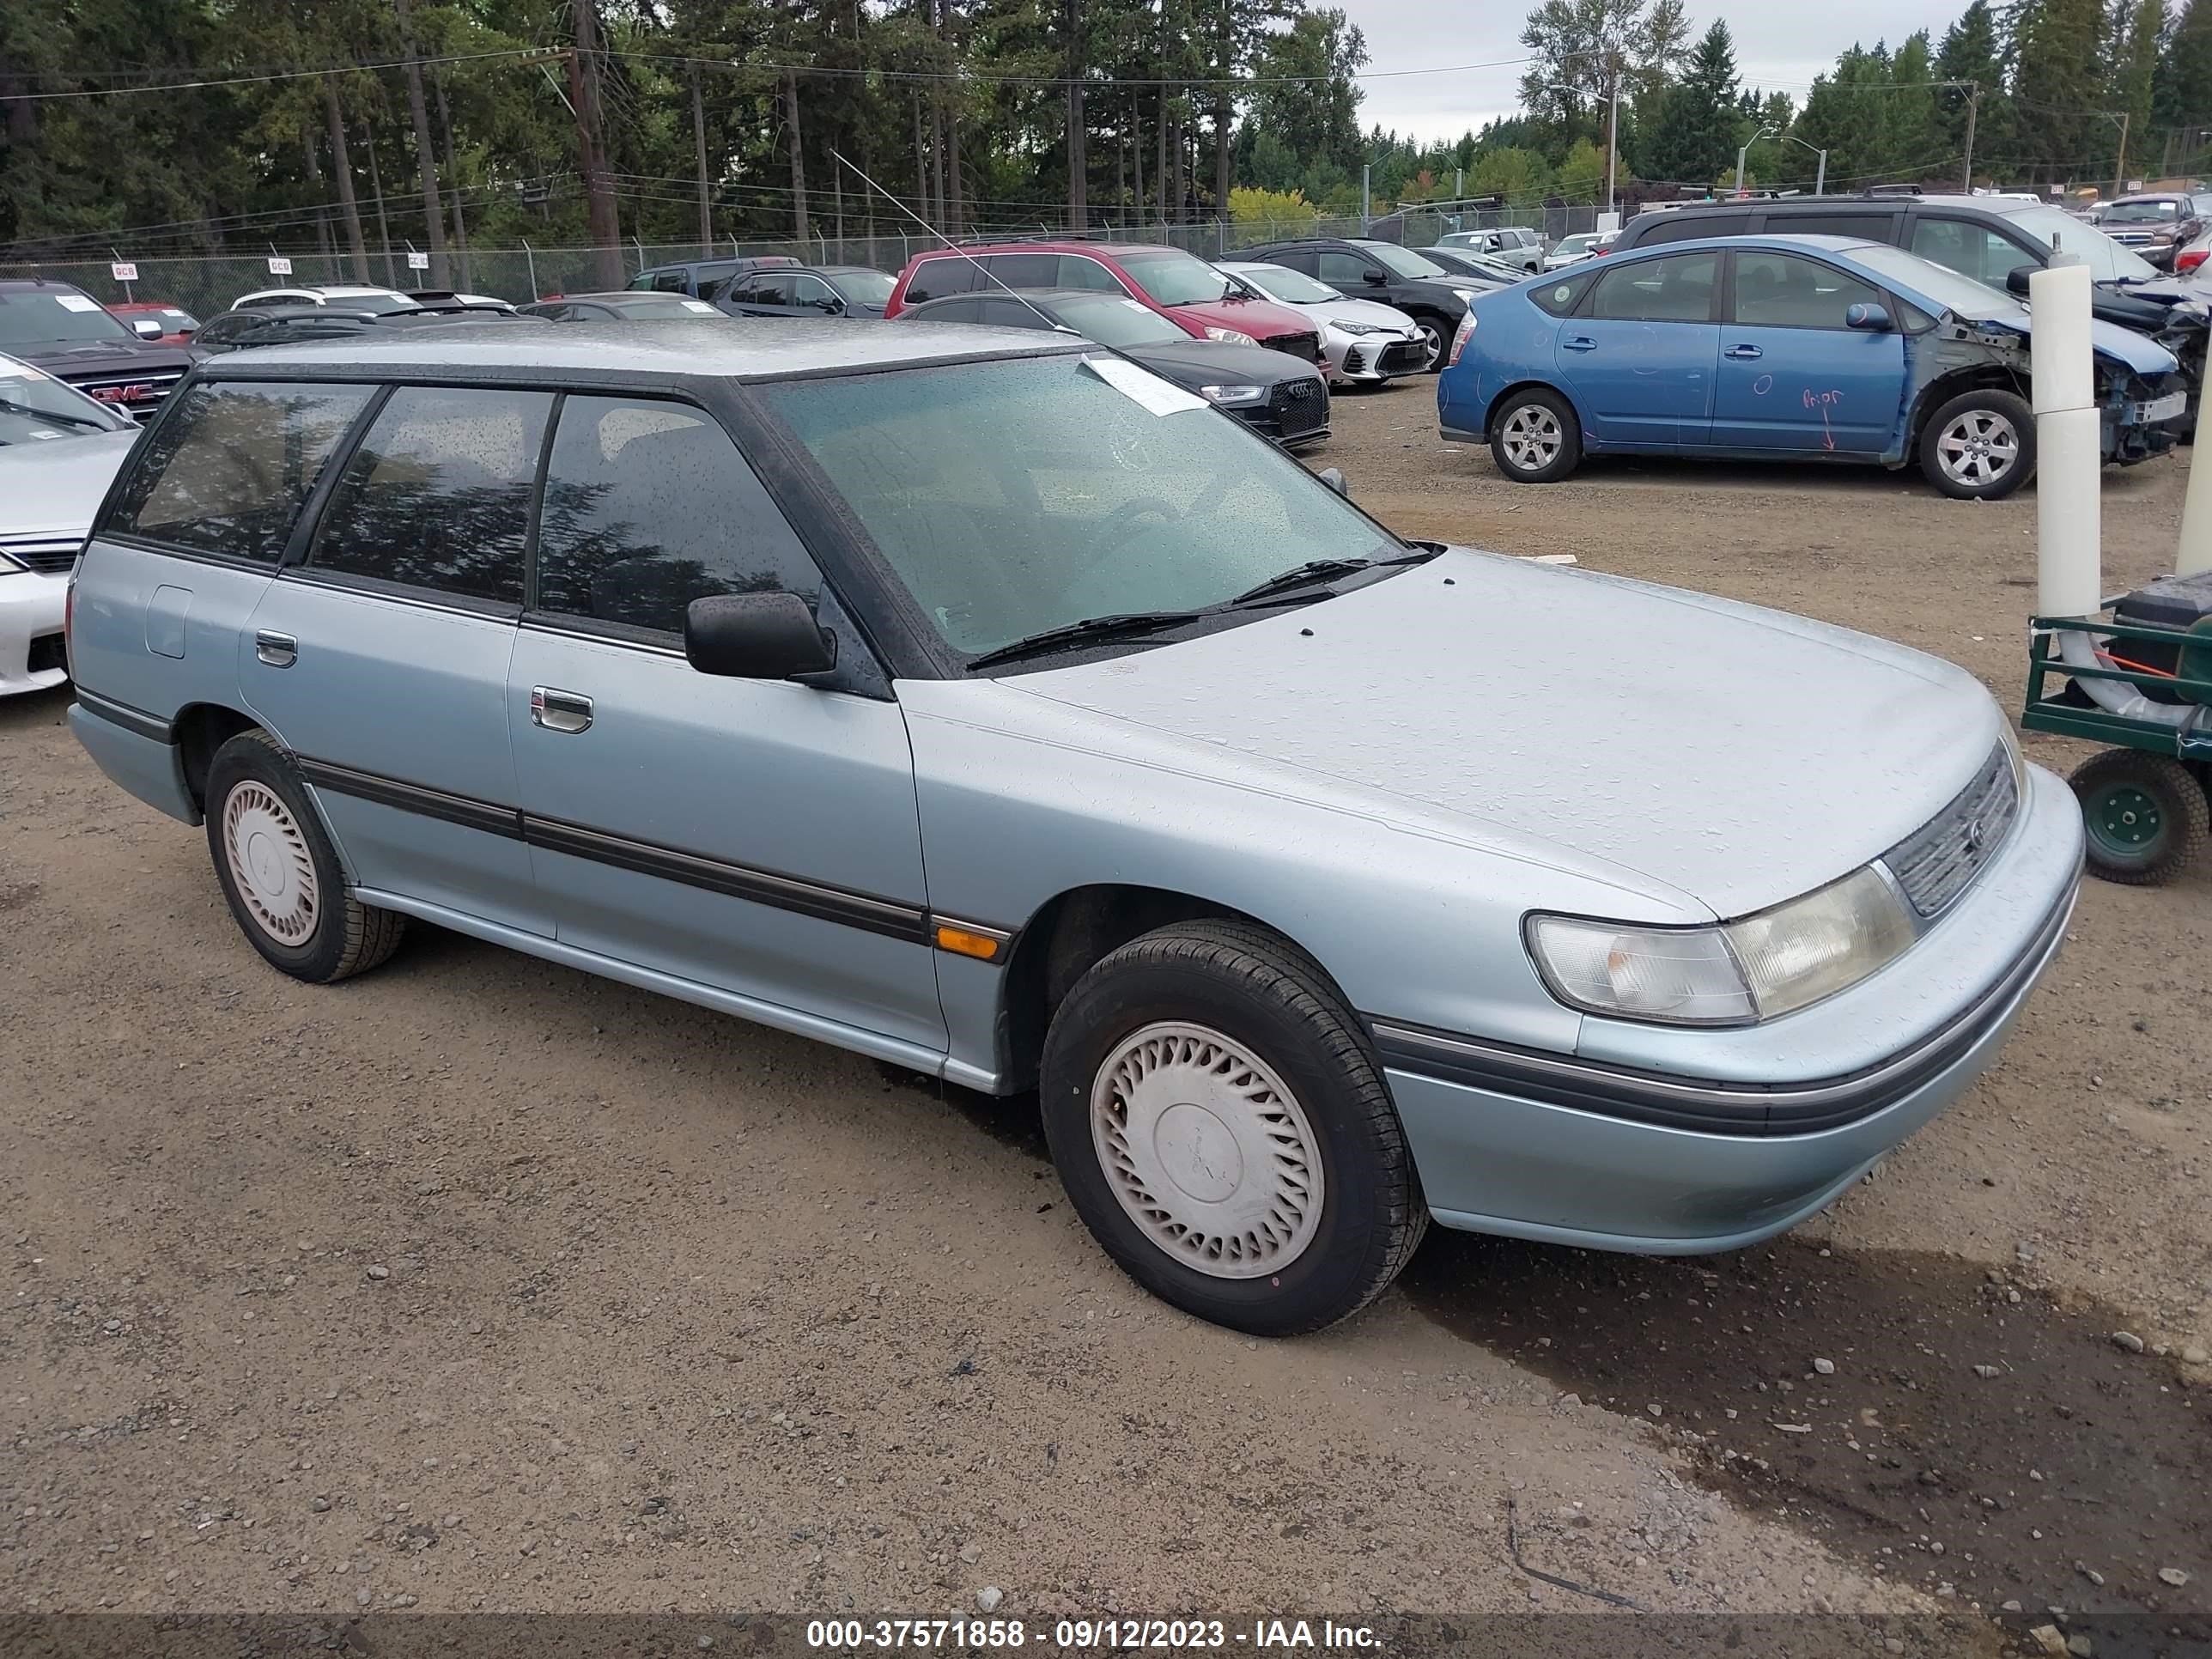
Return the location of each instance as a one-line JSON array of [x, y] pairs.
[[1779, 348]]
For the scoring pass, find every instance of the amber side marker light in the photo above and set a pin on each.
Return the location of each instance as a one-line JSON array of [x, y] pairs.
[[961, 942]]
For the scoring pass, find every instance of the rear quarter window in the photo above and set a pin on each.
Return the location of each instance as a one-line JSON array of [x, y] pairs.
[[1561, 297], [227, 471], [933, 279], [1689, 228]]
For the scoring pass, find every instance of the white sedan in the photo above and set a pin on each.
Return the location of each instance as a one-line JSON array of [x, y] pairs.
[[58, 452], [1362, 341]]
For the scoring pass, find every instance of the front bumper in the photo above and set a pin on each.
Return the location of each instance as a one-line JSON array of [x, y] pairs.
[[31, 607], [1596, 1152], [1368, 359]]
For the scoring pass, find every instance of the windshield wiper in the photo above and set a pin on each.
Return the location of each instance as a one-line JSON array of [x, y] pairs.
[[1077, 632], [1320, 570], [10, 406]]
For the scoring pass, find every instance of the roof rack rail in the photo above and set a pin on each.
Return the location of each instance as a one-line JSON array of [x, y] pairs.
[[1892, 189], [1034, 236]]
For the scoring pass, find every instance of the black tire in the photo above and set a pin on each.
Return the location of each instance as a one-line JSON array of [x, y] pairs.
[[1435, 336], [1984, 414], [1534, 404], [339, 937], [1240, 981], [2143, 817]]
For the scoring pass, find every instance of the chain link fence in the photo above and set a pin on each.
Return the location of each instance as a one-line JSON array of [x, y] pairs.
[[205, 286]]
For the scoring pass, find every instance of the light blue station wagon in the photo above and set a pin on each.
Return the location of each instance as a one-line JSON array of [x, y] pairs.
[[976, 700]]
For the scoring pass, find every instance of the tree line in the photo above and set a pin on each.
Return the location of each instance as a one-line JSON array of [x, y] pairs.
[[233, 125]]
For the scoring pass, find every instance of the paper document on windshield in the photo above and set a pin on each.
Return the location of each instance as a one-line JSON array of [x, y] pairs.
[[1145, 390]]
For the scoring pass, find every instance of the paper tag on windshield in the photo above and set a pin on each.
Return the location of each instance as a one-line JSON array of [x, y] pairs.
[[1147, 391], [75, 302], [12, 370], [701, 306]]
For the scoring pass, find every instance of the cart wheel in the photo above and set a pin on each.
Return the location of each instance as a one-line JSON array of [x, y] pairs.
[[2145, 815]]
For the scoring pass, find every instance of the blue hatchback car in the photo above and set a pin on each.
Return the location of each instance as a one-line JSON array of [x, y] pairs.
[[1780, 348]]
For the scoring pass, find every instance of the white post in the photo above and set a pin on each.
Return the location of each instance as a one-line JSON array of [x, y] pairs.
[[2069, 521], [2196, 555]]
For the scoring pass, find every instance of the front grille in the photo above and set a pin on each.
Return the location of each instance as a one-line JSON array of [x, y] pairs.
[[1307, 346], [51, 556], [1939, 860], [1405, 356], [1299, 407], [138, 395], [48, 651]]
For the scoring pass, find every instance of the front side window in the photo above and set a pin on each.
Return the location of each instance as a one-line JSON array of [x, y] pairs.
[[438, 494], [1022, 495], [933, 279], [1076, 271], [1676, 289], [1024, 269], [1974, 251], [1342, 270], [229, 471], [672, 282], [649, 506], [1171, 277], [1780, 290], [863, 287]]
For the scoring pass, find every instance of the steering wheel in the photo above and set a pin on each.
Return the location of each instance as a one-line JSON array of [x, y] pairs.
[[1123, 522]]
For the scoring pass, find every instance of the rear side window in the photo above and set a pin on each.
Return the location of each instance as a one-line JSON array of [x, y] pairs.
[[1024, 269], [933, 279], [1561, 297], [1971, 250], [1861, 227], [229, 471], [438, 493], [1076, 271], [1689, 226], [649, 506], [1678, 290]]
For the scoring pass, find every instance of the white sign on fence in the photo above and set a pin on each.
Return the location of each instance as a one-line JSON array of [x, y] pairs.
[[279, 265], [418, 262], [123, 271]]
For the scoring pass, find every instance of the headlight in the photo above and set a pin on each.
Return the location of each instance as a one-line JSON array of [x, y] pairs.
[[1233, 395], [1733, 974], [10, 566], [1363, 328], [1230, 336]]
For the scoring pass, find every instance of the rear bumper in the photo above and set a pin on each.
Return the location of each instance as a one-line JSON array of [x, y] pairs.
[[133, 749], [31, 607]]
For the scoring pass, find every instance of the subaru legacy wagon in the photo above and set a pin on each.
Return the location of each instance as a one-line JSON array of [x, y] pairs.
[[978, 701]]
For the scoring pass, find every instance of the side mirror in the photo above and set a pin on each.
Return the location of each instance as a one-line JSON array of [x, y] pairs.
[[1334, 477], [2016, 280], [146, 328], [1373, 278], [1871, 320], [757, 636]]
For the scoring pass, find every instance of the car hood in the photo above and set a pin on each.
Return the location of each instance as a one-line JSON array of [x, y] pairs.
[[1358, 310], [1261, 318], [1208, 362], [66, 357], [1719, 757], [58, 485]]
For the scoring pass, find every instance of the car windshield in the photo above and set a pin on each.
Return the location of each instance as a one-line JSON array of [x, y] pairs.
[[1291, 287], [35, 408], [2137, 213], [374, 300], [1575, 243], [2107, 260], [1028, 493], [1945, 286], [1403, 262], [48, 316], [1175, 278], [864, 287], [1116, 321]]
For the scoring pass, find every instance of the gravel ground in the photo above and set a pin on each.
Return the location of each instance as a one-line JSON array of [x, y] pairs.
[[479, 1283]]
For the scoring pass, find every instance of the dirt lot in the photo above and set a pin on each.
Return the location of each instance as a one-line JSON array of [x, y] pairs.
[[477, 1283]]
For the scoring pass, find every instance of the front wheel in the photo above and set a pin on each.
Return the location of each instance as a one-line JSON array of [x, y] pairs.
[[1435, 340], [1535, 437], [2143, 817], [1980, 446], [1222, 1129]]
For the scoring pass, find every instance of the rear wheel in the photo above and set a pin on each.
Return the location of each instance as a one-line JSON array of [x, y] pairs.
[[1980, 446], [1223, 1130], [1535, 437], [2143, 817]]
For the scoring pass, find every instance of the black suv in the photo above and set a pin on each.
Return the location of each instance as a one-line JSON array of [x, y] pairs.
[[1992, 239], [1361, 269], [68, 333], [701, 279], [789, 291]]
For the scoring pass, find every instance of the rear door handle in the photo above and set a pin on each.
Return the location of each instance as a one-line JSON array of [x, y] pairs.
[[277, 650], [1744, 354], [1582, 343], [559, 711]]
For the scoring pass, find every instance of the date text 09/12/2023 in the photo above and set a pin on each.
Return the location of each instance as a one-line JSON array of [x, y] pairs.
[[1084, 1635]]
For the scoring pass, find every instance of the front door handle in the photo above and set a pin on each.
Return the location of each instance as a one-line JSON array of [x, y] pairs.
[[1744, 354], [277, 650], [559, 711], [1582, 343]]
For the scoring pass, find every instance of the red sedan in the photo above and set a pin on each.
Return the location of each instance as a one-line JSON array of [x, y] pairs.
[[178, 324]]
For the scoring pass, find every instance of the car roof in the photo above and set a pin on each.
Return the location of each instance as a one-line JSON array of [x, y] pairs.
[[1781, 241], [1109, 250], [35, 283], [672, 349]]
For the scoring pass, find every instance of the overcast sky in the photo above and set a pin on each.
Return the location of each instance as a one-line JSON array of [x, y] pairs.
[[1780, 45]]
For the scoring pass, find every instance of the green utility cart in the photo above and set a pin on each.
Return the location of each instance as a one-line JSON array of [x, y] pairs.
[[2137, 676]]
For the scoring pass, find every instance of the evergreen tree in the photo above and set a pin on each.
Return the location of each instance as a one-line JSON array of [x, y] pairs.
[[1973, 51], [2057, 82], [1699, 125]]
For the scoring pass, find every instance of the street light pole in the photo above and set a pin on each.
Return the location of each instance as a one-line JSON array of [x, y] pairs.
[[1819, 179], [1763, 132]]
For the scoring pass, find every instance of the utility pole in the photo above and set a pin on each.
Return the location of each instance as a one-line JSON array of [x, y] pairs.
[[1078, 159], [1612, 137], [1366, 178], [341, 164], [599, 191], [2120, 166], [434, 211], [1974, 108], [798, 156], [699, 144]]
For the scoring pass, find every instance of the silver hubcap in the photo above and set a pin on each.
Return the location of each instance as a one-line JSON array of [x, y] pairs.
[[1432, 341], [1977, 448], [1532, 438], [270, 864], [1208, 1152]]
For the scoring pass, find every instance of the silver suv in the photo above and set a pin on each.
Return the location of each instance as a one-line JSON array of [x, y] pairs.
[[976, 701]]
